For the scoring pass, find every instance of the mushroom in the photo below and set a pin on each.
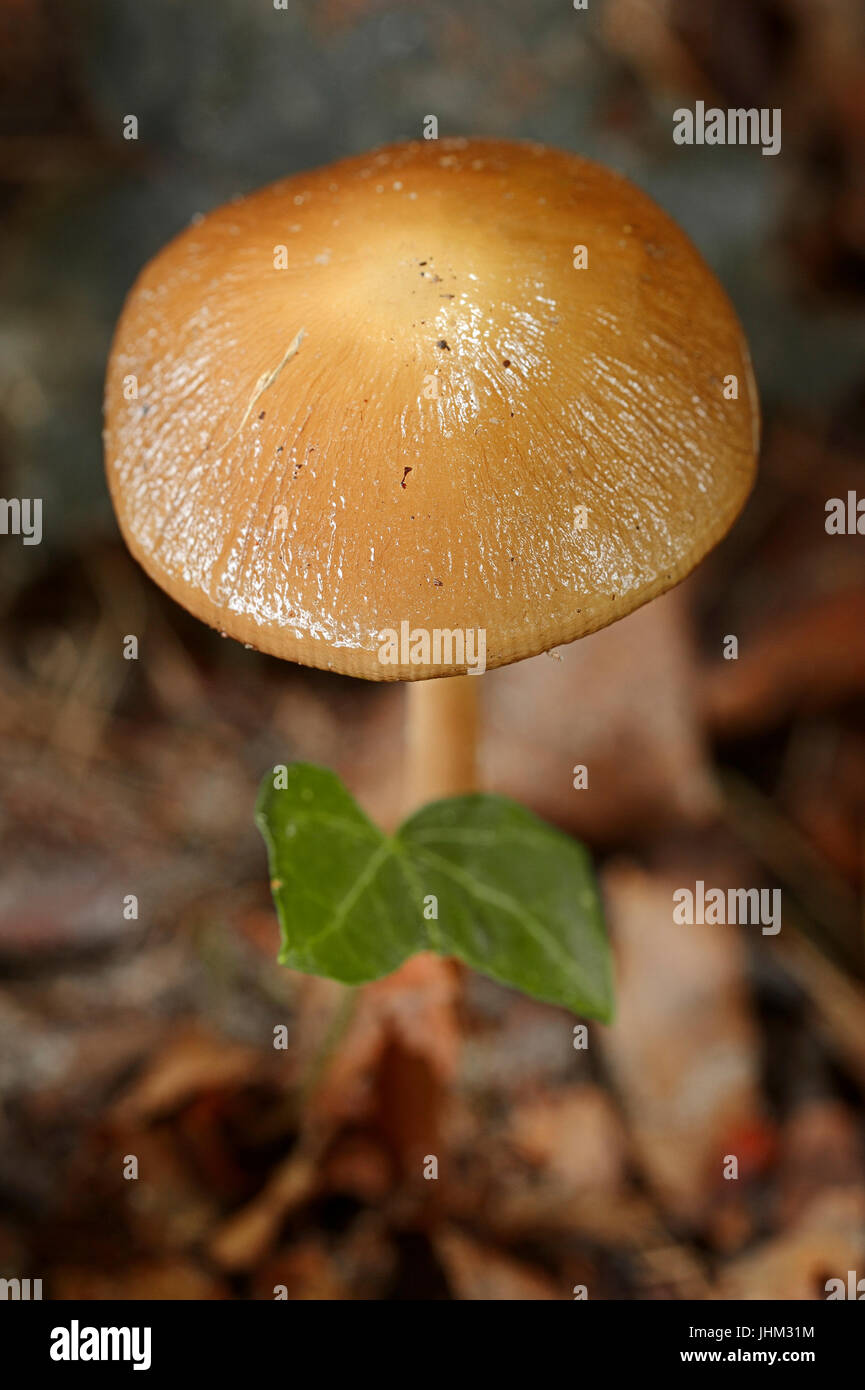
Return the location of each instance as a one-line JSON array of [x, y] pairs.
[[468, 387]]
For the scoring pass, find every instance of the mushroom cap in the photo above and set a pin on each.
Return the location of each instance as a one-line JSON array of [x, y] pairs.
[[383, 393]]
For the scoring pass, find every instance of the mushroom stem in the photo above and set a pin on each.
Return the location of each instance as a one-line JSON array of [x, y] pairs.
[[442, 738]]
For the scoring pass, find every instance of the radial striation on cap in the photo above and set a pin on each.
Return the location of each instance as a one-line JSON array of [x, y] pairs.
[[391, 391]]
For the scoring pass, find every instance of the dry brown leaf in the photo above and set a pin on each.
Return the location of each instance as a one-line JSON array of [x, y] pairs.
[[242, 1240], [415, 1006], [806, 660], [193, 1060], [623, 704], [480, 1272], [683, 1050], [828, 1241]]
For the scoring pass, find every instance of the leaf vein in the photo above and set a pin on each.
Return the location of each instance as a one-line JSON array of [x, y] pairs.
[[534, 926]]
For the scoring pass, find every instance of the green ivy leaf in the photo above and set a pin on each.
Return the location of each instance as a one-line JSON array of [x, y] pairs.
[[515, 898]]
